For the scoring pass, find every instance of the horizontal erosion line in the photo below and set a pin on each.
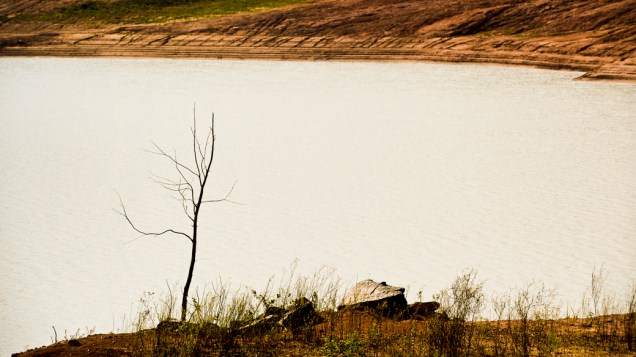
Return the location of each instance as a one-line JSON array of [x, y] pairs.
[[552, 61]]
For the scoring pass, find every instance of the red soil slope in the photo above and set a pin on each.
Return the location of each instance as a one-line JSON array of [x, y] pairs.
[[596, 36]]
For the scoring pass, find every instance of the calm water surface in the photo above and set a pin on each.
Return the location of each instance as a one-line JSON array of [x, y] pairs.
[[403, 172]]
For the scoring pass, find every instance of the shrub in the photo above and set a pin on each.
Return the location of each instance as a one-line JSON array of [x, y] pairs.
[[629, 321], [450, 335], [533, 302]]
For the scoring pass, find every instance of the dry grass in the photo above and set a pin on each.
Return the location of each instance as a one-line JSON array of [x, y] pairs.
[[527, 324]]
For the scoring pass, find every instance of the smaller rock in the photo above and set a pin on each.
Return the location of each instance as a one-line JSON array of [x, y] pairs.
[[209, 330], [168, 326], [262, 324], [422, 309], [299, 315], [74, 343], [259, 326], [274, 310]]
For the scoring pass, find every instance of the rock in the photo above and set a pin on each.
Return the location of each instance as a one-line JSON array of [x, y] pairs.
[[74, 343], [262, 324], [299, 315], [274, 310], [169, 326], [368, 294], [209, 330], [259, 326], [422, 309]]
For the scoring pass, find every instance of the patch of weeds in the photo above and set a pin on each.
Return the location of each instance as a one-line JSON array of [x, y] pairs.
[[153, 11], [349, 347], [462, 302], [527, 323], [629, 321]]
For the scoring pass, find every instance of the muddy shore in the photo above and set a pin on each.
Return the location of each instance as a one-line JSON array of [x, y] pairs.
[[596, 37]]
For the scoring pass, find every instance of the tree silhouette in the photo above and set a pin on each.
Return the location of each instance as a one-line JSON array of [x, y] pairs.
[[189, 186]]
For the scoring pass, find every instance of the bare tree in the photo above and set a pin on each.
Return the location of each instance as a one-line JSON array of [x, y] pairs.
[[189, 188]]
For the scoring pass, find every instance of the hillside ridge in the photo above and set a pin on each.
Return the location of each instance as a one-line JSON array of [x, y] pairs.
[[594, 36]]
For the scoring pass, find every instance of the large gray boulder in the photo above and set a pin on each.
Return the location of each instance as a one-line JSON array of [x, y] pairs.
[[368, 294]]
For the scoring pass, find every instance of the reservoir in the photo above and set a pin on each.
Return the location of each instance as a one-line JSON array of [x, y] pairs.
[[408, 173]]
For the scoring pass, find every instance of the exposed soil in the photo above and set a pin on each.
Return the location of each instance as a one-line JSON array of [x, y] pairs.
[[382, 336], [593, 36]]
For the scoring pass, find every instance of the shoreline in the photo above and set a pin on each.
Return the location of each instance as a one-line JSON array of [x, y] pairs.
[[101, 45], [594, 37]]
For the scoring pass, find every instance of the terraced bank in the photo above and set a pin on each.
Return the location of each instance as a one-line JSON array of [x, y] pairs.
[[595, 36]]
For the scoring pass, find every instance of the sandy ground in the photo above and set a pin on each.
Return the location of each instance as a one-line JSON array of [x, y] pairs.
[[594, 36]]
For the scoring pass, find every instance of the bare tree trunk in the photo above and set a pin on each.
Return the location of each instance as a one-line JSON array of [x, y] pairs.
[[189, 185], [186, 288]]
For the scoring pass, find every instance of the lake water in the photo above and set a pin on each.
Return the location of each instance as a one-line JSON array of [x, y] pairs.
[[408, 173]]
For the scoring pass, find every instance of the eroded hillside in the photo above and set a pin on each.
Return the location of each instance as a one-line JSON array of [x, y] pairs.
[[596, 36]]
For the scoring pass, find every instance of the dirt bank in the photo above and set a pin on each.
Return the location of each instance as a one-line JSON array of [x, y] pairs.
[[366, 333], [594, 36]]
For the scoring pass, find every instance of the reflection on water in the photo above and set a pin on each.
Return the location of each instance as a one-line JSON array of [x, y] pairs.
[[402, 172]]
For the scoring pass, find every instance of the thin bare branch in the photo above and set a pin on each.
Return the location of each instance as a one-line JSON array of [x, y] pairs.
[[225, 199], [195, 143], [170, 184], [201, 164], [185, 203], [203, 153], [207, 138], [132, 240], [187, 182], [204, 164], [124, 214], [209, 162], [182, 188], [173, 159]]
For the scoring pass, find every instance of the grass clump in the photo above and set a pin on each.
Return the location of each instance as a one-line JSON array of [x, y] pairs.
[[351, 346], [527, 322], [152, 11], [450, 332]]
